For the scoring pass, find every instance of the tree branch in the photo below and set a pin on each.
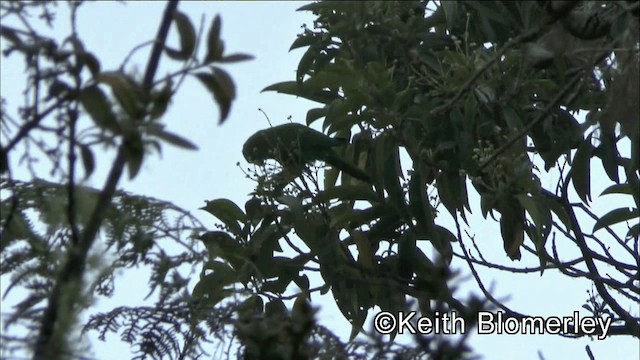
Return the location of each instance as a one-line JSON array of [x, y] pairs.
[[72, 273]]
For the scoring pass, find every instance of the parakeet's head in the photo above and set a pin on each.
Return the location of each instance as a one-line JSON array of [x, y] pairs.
[[255, 149]]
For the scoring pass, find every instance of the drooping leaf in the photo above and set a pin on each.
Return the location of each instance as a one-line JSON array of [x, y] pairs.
[[214, 44], [560, 212], [540, 214], [160, 100], [450, 187], [406, 254], [96, 104], [305, 63], [512, 226], [391, 175], [88, 160], [276, 308], [616, 216], [609, 157], [294, 88], [126, 91], [91, 61], [221, 86], [356, 323], [134, 152], [419, 203], [171, 138], [187, 37], [315, 114], [624, 189], [234, 58], [581, 170]]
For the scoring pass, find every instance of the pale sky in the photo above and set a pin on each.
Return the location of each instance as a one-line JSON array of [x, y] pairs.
[[266, 30]]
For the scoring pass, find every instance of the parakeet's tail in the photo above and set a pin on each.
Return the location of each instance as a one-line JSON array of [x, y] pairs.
[[336, 161]]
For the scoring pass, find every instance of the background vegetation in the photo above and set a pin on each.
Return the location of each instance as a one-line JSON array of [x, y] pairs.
[[438, 112]]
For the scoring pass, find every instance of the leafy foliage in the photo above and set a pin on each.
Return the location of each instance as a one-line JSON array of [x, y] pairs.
[[423, 107], [65, 243], [440, 101]]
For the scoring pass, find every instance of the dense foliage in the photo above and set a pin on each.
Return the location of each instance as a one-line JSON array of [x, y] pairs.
[[438, 101], [424, 107]]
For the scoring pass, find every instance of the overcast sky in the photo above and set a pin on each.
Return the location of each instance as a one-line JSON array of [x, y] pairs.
[[266, 30]]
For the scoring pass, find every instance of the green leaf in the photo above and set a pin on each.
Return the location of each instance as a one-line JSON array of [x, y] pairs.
[[214, 45], [450, 187], [211, 287], [451, 12], [134, 153], [609, 157], [392, 172], [276, 308], [252, 306], [615, 216], [539, 213], [227, 212], [277, 286], [88, 160], [304, 40], [221, 86], [126, 91], [419, 204], [349, 193], [88, 59], [187, 37], [624, 189], [171, 138], [96, 104], [315, 114], [234, 58], [487, 11], [303, 282], [581, 170], [160, 100], [294, 88], [338, 6], [307, 60], [406, 254], [356, 324], [559, 211]]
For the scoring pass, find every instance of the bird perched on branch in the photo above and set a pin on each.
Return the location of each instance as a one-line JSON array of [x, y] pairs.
[[294, 146]]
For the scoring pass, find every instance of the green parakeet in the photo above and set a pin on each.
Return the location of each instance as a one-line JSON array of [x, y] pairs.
[[294, 146]]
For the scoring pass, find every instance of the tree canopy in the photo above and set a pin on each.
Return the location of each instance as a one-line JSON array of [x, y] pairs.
[[431, 115]]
